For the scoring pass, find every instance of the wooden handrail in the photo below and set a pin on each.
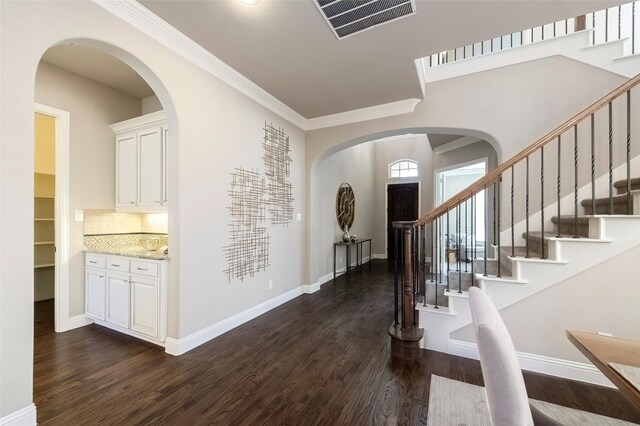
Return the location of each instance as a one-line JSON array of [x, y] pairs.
[[493, 176]]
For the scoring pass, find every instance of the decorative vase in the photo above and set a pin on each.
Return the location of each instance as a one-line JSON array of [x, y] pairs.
[[345, 236]]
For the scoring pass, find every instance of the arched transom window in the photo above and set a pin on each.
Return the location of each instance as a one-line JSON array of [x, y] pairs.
[[403, 168]]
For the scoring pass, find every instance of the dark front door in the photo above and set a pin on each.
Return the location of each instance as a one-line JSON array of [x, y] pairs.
[[402, 204]]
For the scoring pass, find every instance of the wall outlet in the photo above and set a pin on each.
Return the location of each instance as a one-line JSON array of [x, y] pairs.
[[270, 284], [79, 215], [299, 217]]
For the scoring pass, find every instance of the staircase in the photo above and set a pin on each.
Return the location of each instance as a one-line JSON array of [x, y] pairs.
[[553, 247], [608, 40]]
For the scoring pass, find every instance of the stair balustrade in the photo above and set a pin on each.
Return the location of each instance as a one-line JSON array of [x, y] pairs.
[[434, 250], [614, 23]]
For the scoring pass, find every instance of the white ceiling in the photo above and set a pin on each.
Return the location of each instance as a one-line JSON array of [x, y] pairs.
[[98, 66], [286, 47]]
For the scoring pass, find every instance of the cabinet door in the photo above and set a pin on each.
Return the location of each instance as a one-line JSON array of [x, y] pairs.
[[118, 289], [151, 163], [145, 301], [94, 287], [126, 170]]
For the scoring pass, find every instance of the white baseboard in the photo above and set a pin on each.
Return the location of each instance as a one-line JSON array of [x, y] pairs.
[[540, 364], [181, 346], [378, 256], [311, 288], [24, 417], [78, 321]]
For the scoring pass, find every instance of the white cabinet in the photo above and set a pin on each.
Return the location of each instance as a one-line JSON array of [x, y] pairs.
[[145, 296], [118, 291], [95, 284], [141, 163], [127, 294]]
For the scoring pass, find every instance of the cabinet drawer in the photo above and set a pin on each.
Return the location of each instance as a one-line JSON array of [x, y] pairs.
[[118, 264], [95, 261], [144, 268]]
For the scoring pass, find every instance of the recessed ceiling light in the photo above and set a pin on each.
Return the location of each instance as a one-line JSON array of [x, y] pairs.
[[249, 2]]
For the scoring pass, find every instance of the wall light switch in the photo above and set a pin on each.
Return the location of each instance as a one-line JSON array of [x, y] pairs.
[[270, 284], [79, 215], [299, 217]]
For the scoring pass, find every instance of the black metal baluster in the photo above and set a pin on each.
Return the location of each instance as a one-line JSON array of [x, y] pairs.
[[437, 260], [559, 172], [424, 260], [473, 238], [446, 251], [566, 26], [513, 236], [496, 187], [606, 25], [575, 181], [486, 228], [439, 251], [494, 213], [619, 20], [466, 237], [593, 166], [526, 213], [542, 32], [629, 207], [633, 28], [458, 247], [491, 45], [610, 158], [593, 25], [414, 258], [542, 256]]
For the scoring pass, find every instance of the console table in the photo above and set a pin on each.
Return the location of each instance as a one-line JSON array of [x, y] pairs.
[[359, 250]]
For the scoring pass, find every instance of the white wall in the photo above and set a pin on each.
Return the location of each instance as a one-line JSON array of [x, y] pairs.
[[92, 107], [414, 148], [213, 129], [151, 104], [354, 166], [604, 298]]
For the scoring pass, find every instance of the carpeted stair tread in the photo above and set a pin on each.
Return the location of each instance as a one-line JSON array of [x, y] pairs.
[[569, 219], [621, 185], [617, 199]]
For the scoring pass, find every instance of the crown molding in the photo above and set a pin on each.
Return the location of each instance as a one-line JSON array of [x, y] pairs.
[[363, 114], [146, 21], [152, 25]]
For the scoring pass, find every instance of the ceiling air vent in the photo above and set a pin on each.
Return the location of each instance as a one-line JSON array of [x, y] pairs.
[[348, 17]]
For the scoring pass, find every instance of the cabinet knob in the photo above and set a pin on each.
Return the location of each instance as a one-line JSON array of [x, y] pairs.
[[100, 276], [132, 202]]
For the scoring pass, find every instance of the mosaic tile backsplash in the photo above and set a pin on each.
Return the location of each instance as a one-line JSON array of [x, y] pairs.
[[118, 241]]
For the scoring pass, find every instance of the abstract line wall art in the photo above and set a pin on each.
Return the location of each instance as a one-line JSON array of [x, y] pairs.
[[277, 163], [248, 251]]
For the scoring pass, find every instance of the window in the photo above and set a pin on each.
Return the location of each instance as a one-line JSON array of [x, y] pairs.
[[403, 168]]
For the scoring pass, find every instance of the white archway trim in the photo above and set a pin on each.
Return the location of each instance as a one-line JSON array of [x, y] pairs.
[[61, 291]]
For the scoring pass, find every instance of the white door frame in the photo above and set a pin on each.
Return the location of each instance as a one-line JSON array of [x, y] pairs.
[[61, 206]]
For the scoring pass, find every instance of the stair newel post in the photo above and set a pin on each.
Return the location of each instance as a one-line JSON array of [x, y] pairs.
[[439, 250], [513, 237], [486, 227], [415, 258], [575, 181], [396, 238], [593, 166], [610, 159], [542, 256], [629, 207], [494, 212], [526, 208], [558, 188], [405, 337], [497, 231], [473, 236], [424, 301]]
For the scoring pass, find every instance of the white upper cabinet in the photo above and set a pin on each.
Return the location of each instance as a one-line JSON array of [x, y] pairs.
[[141, 163]]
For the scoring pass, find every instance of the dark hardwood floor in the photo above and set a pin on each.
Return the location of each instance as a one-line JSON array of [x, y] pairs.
[[321, 359]]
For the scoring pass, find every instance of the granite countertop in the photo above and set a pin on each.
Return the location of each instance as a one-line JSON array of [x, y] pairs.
[[135, 251]]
